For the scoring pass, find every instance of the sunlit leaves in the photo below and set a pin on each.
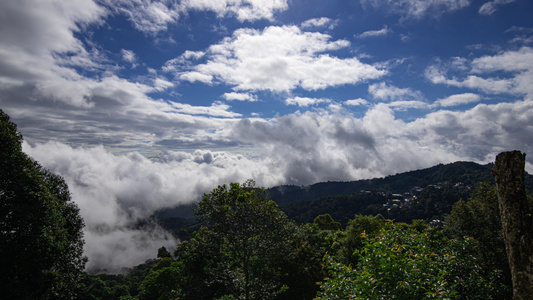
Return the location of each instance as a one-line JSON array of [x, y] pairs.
[[402, 263]]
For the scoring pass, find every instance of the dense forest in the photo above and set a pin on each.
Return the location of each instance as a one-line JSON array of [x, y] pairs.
[[434, 233]]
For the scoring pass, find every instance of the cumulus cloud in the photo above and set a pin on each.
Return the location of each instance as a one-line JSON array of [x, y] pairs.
[[374, 33], [196, 76], [356, 102], [308, 147], [384, 91], [244, 10], [320, 22], [417, 8], [406, 104], [305, 101], [313, 146], [186, 58], [217, 109], [128, 55], [492, 6], [39, 48], [458, 99], [485, 73], [276, 59], [239, 97], [149, 16], [121, 116], [152, 16]]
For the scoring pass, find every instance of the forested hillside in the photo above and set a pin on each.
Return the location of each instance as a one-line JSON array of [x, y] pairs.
[[426, 194], [468, 173]]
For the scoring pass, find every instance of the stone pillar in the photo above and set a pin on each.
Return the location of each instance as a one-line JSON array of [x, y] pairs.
[[517, 222]]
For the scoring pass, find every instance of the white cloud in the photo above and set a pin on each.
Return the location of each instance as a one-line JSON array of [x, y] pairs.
[[39, 47], [196, 76], [313, 146], [405, 104], [374, 33], [305, 101], [239, 97], [152, 16], [509, 61], [458, 99], [492, 6], [320, 22], [193, 54], [115, 112], [161, 84], [128, 55], [146, 15], [356, 102], [417, 8], [383, 91], [186, 58], [516, 65], [49, 25], [244, 10], [217, 109], [278, 59], [487, 85], [114, 192]]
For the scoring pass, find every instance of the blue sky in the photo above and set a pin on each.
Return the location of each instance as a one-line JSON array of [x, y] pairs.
[[146, 104]]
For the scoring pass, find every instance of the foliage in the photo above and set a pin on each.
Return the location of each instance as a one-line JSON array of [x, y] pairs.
[[162, 280], [247, 248], [40, 227], [479, 218], [358, 228], [339, 207], [326, 222], [402, 263], [432, 203], [163, 253]]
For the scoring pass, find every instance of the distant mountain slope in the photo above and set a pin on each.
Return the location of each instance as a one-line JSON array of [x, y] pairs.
[[344, 199], [466, 172], [426, 194]]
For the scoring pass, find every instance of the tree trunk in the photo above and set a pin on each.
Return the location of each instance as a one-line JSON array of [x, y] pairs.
[[516, 219]]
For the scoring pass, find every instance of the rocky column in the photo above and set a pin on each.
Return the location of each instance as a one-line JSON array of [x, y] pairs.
[[517, 222]]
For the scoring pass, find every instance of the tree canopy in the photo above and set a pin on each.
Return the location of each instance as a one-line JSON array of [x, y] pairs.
[[41, 240], [247, 248]]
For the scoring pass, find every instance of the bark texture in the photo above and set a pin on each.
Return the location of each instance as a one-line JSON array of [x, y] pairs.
[[517, 223]]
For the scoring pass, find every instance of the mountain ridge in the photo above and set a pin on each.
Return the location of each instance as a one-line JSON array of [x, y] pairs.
[[303, 203], [461, 171]]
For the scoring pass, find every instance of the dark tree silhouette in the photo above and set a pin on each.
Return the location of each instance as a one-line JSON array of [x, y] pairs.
[[41, 241]]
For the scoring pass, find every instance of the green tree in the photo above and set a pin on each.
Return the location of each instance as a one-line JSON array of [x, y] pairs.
[[162, 281], [403, 263], [479, 218], [358, 228], [163, 252], [326, 222], [41, 241], [247, 248]]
